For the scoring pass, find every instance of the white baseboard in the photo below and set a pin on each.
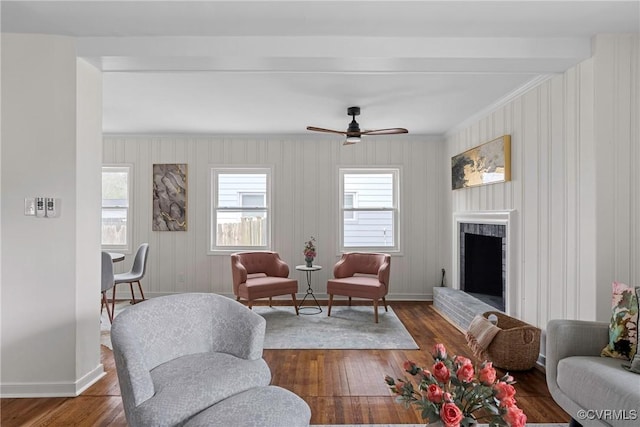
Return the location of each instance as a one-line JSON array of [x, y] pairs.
[[54, 389]]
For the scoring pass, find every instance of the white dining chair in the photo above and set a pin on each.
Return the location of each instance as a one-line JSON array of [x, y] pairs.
[[136, 273]]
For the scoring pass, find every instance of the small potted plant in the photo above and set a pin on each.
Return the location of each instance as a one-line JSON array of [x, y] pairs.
[[309, 251]]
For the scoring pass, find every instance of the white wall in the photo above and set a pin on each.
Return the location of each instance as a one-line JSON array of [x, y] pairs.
[[50, 268], [574, 143], [305, 186]]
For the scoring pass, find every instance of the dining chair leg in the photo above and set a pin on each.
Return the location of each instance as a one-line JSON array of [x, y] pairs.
[[141, 293], [105, 303], [113, 300], [133, 296]]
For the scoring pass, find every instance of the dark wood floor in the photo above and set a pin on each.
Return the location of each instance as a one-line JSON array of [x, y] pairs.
[[340, 386]]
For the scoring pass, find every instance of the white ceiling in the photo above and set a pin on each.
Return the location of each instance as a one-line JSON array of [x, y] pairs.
[[278, 66]]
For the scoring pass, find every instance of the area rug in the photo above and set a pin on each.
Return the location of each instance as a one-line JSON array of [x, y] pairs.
[[349, 328]]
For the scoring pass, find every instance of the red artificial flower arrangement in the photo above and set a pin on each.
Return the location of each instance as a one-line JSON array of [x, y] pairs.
[[452, 393]]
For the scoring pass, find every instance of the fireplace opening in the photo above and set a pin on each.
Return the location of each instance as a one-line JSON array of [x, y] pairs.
[[482, 265]]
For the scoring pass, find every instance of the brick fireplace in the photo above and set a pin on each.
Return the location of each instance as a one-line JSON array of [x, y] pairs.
[[481, 267], [482, 254]]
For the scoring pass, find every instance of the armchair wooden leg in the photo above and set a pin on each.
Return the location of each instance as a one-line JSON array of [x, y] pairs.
[[330, 303], [375, 309], [295, 304], [270, 302], [349, 301], [384, 301], [250, 304]]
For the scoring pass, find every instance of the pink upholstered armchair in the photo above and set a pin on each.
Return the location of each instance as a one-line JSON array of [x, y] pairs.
[[361, 275], [261, 275]]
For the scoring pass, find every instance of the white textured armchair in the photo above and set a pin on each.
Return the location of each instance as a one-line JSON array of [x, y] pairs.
[[196, 360]]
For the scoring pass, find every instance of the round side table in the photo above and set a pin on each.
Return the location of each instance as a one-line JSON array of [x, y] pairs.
[[308, 270]]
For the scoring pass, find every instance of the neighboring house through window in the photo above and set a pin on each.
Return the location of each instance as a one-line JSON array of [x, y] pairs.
[[116, 208], [240, 214], [369, 209]]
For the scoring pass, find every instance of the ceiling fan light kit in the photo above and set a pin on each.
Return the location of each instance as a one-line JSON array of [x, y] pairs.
[[353, 132]]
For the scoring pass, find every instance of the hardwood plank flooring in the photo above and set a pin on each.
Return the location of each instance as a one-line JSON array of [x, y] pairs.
[[340, 386]]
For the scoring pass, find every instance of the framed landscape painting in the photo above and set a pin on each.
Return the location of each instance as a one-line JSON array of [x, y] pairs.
[[488, 163], [169, 197]]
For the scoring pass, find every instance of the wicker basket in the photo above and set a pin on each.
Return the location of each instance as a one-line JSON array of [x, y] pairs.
[[516, 346]]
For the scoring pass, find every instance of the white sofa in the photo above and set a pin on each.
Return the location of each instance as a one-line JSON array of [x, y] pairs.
[[594, 390]]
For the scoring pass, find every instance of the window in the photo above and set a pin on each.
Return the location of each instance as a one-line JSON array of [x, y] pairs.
[[241, 217], [369, 209], [116, 193]]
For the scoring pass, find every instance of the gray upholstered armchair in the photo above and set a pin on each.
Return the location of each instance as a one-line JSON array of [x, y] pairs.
[[196, 360]]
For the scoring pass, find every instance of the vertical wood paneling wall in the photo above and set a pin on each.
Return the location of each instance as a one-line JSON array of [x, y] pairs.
[[305, 196], [575, 148]]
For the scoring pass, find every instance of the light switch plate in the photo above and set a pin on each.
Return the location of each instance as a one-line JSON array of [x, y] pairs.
[[30, 206]]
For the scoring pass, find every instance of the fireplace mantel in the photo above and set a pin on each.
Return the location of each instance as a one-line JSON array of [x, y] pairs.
[[506, 218]]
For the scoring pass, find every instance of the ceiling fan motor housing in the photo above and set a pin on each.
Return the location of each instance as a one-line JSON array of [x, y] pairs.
[[354, 127]]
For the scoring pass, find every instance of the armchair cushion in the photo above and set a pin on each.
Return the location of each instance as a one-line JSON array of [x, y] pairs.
[[192, 383]]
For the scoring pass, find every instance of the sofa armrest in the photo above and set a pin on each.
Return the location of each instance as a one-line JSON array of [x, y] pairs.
[[566, 338]]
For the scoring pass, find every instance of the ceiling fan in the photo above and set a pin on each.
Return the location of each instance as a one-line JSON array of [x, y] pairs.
[[353, 132]]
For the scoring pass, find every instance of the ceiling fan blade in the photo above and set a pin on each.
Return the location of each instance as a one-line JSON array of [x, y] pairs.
[[390, 131], [326, 130]]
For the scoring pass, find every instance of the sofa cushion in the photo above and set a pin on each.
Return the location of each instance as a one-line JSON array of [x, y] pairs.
[[623, 329], [598, 383], [190, 384], [259, 407]]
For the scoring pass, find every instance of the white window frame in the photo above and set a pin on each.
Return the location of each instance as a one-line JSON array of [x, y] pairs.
[[128, 168], [214, 208], [395, 209]]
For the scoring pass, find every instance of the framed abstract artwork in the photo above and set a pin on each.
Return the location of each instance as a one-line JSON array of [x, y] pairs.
[[488, 163], [169, 197]]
